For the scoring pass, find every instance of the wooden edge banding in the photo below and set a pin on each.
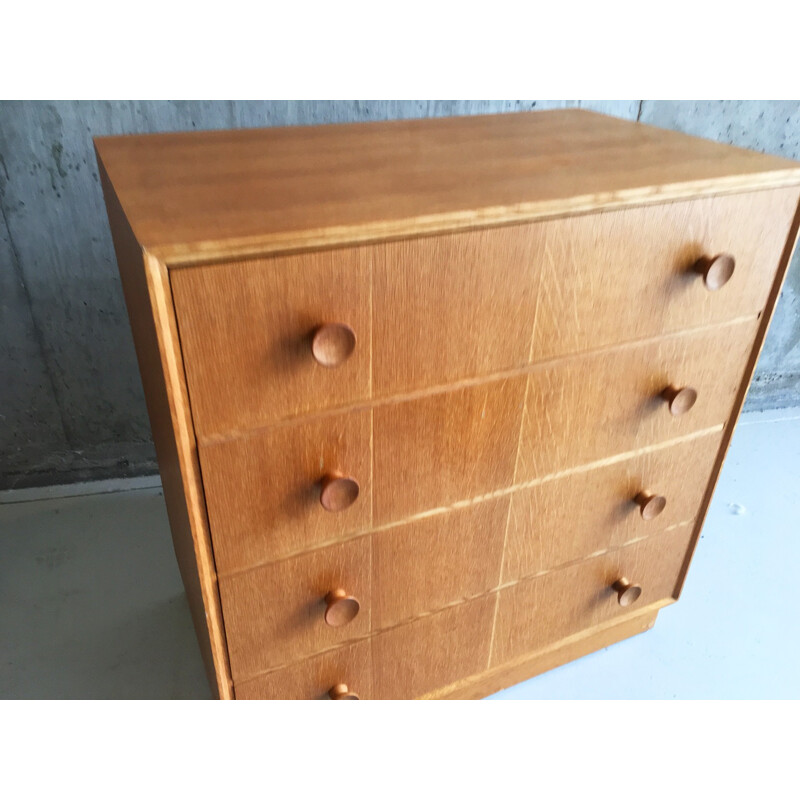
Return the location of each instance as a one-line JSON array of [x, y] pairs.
[[556, 655], [177, 392], [213, 251], [769, 308]]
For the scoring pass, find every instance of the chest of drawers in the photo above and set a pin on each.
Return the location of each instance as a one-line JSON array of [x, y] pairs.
[[439, 404]]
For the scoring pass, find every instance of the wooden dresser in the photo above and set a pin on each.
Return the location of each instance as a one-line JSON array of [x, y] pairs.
[[439, 404]]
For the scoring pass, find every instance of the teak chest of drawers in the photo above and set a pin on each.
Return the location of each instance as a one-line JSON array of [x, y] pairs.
[[439, 404]]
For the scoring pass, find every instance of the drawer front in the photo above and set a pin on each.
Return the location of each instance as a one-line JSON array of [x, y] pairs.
[[247, 329], [589, 407], [414, 659], [541, 611], [314, 678], [277, 613], [425, 565], [574, 516], [437, 309], [263, 492]]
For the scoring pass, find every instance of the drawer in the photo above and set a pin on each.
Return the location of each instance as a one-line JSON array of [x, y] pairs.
[[576, 515], [263, 491], [246, 333], [589, 407], [277, 613], [414, 659], [314, 678], [540, 611], [425, 565], [428, 311]]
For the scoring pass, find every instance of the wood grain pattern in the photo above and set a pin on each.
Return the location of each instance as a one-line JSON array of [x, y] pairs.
[[435, 450], [501, 677], [217, 194], [588, 407], [537, 612], [579, 514], [147, 297], [445, 308], [275, 614], [450, 557], [263, 491], [247, 330], [413, 659], [312, 679], [626, 275], [511, 298]]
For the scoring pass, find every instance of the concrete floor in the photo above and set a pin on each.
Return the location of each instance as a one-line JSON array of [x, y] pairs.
[[91, 603]]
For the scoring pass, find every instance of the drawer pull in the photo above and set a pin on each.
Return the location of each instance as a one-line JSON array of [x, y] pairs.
[[716, 271], [342, 608], [333, 344], [627, 593], [650, 505], [341, 692], [680, 400], [338, 492]]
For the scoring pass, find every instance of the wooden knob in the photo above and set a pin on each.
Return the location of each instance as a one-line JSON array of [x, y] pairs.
[[627, 593], [338, 492], [680, 400], [341, 692], [650, 505], [333, 344], [716, 271], [342, 608]]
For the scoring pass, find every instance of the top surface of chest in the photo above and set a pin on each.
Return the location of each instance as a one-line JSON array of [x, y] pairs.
[[193, 197]]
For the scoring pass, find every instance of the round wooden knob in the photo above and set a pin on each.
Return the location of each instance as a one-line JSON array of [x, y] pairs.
[[333, 344], [341, 692], [342, 608], [650, 505], [627, 593], [716, 271], [338, 492], [680, 400]]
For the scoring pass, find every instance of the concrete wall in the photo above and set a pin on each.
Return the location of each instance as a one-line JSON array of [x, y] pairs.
[[71, 403]]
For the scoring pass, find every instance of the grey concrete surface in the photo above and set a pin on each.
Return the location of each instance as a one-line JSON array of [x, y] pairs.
[[92, 602], [93, 607], [71, 402]]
